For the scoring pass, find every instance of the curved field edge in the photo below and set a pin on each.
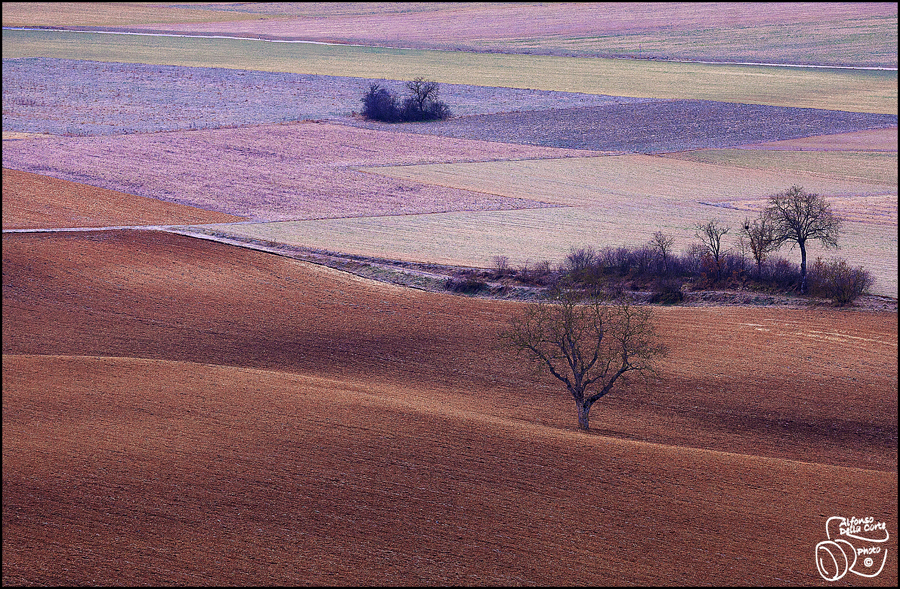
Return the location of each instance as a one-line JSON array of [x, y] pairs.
[[857, 91], [314, 175], [37, 201], [268, 477]]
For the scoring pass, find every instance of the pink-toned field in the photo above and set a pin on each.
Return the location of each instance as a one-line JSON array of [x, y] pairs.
[[872, 140], [274, 172], [852, 33]]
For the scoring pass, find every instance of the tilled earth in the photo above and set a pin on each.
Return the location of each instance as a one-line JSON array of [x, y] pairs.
[[655, 126], [178, 411]]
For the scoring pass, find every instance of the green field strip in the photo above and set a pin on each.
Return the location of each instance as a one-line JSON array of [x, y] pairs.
[[858, 166], [835, 89], [593, 180]]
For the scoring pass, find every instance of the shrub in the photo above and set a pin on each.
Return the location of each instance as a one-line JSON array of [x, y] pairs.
[[541, 274], [422, 105], [782, 274], [380, 105], [501, 267], [667, 292], [467, 285], [838, 281]]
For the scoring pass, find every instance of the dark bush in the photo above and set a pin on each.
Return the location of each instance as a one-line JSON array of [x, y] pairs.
[[667, 292], [782, 274], [380, 105], [422, 105], [838, 281], [466, 285]]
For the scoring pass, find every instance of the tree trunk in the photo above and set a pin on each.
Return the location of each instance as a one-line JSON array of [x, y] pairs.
[[802, 266], [584, 415]]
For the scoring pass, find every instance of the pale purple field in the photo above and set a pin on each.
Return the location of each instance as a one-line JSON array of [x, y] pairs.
[[275, 172], [86, 98]]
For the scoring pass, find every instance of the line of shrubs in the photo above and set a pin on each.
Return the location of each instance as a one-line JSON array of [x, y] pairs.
[[613, 270]]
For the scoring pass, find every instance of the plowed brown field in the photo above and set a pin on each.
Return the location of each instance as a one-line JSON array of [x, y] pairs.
[[177, 411], [32, 201]]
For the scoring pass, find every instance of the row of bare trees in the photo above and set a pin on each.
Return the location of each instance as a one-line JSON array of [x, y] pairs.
[[794, 216]]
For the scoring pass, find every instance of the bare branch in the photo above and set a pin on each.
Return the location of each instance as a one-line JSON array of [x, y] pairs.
[[586, 344]]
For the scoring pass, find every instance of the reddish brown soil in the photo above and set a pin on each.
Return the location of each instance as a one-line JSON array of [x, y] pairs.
[[32, 201], [177, 411]]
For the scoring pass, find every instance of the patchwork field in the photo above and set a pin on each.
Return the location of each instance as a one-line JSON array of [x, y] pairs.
[[180, 411], [601, 201], [303, 170], [830, 89]]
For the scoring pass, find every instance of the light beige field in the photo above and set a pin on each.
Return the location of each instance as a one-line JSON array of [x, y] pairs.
[[609, 200], [875, 167]]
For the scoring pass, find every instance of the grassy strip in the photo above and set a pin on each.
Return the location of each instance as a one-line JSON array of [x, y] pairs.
[[850, 90], [101, 14], [863, 166]]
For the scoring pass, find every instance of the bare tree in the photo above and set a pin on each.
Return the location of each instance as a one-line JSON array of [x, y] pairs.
[[422, 92], [761, 238], [423, 103], [799, 217], [710, 234], [587, 344], [662, 245]]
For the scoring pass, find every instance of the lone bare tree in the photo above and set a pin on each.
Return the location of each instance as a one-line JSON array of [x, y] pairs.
[[586, 344], [800, 217]]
